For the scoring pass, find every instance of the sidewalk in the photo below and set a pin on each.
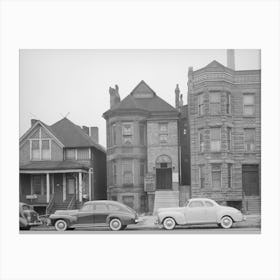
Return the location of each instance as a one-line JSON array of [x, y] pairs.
[[251, 221]]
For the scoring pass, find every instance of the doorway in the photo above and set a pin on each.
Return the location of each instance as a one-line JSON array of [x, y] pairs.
[[250, 179]]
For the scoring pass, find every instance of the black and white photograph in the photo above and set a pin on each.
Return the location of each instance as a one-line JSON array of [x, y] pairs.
[[139, 140], [111, 141]]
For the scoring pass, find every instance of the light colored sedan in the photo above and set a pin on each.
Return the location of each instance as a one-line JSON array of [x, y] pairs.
[[198, 211]]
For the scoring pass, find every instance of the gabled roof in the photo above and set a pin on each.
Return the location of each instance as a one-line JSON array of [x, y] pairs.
[[145, 99], [68, 133], [215, 64]]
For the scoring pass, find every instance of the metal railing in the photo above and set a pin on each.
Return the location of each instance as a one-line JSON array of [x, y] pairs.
[[71, 203], [50, 205]]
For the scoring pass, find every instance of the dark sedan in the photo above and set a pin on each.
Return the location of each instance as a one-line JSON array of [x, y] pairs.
[[95, 213], [27, 217]]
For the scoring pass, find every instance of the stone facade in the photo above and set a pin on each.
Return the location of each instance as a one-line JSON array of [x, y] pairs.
[[225, 133], [141, 132]]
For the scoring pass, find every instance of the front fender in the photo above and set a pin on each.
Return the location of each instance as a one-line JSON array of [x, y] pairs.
[[177, 216], [69, 218]]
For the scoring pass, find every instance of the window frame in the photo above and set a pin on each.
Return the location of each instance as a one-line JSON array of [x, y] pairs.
[[245, 142], [201, 143], [195, 201], [200, 104], [163, 133], [229, 138], [228, 103], [220, 171], [229, 178], [220, 139], [253, 105], [130, 135], [211, 93], [200, 167]]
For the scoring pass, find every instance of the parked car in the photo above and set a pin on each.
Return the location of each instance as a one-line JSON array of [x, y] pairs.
[[95, 213], [27, 217], [198, 211]]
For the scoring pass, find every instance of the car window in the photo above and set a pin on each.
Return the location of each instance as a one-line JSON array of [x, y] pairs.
[[101, 207], [87, 208], [26, 207], [194, 204], [208, 204], [114, 207]]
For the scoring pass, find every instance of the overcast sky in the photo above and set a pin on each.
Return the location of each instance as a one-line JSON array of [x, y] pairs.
[[54, 83]]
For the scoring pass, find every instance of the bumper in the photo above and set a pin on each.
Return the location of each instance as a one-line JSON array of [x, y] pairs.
[[138, 220], [37, 223]]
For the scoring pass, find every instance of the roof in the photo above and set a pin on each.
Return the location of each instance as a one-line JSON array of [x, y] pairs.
[[54, 165], [145, 99], [68, 134]]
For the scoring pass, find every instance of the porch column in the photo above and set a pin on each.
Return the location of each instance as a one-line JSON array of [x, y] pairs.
[[89, 183], [80, 187], [48, 187], [64, 186]]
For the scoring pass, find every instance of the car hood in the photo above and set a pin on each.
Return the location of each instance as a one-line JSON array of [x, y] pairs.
[[66, 212]]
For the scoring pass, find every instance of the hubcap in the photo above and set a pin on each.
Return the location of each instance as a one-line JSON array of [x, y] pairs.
[[227, 222], [115, 224], [169, 223], [61, 225]]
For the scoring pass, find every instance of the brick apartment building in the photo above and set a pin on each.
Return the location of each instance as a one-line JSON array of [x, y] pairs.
[[225, 134], [142, 149]]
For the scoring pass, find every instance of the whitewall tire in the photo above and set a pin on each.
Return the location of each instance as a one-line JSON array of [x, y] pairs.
[[115, 224], [60, 225], [169, 223], [226, 222]]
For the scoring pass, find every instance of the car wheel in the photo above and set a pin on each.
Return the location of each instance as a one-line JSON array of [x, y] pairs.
[[60, 225], [169, 223], [115, 224], [226, 222]]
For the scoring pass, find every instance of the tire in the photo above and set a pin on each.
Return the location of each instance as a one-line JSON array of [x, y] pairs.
[[61, 225], [226, 222], [169, 223], [25, 228], [123, 227], [115, 224]]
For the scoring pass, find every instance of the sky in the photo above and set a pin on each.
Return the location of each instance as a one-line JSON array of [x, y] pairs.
[[75, 83]]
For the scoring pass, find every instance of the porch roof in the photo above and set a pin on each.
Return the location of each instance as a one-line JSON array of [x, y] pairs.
[[54, 166]]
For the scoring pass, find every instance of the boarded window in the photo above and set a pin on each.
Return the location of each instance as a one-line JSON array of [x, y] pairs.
[[215, 136], [202, 176], [83, 154], [215, 103], [127, 172], [216, 176], [249, 139], [248, 104]]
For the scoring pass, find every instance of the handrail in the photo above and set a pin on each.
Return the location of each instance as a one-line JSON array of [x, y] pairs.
[[50, 205], [71, 203]]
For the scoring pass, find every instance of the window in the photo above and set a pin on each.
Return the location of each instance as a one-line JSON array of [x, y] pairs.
[[201, 140], [229, 175], [87, 208], [215, 136], [163, 132], [114, 134], [70, 154], [216, 176], [112, 207], [228, 103], [101, 207], [215, 100], [200, 104], [229, 138], [202, 176], [248, 104], [114, 173], [208, 204], [194, 204], [71, 185], [127, 172], [40, 147], [127, 133], [142, 134], [249, 139], [142, 171], [39, 184]]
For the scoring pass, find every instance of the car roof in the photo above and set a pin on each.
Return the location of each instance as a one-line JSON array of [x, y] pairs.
[[103, 201], [201, 198]]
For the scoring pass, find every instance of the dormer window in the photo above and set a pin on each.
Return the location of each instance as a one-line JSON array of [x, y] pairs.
[[40, 149]]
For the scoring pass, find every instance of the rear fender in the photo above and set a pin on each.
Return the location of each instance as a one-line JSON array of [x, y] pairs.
[[177, 216], [125, 219]]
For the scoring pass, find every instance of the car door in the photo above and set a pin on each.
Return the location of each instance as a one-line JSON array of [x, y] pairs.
[[211, 211], [101, 212], [195, 212], [85, 215]]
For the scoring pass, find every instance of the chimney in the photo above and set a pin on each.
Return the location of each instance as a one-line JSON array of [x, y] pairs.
[[230, 59], [86, 129], [177, 93], [33, 121], [114, 96], [93, 133]]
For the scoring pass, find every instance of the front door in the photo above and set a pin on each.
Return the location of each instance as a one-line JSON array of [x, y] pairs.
[[58, 187], [195, 212], [101, 213], [250, 180], [164, 178], [85, 215]]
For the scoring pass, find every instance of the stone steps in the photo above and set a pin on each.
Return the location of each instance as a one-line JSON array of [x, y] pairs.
[[166, 199]]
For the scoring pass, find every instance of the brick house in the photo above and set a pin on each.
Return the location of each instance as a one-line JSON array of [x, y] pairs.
[[142, 149], [61, 166], [225, 135]]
